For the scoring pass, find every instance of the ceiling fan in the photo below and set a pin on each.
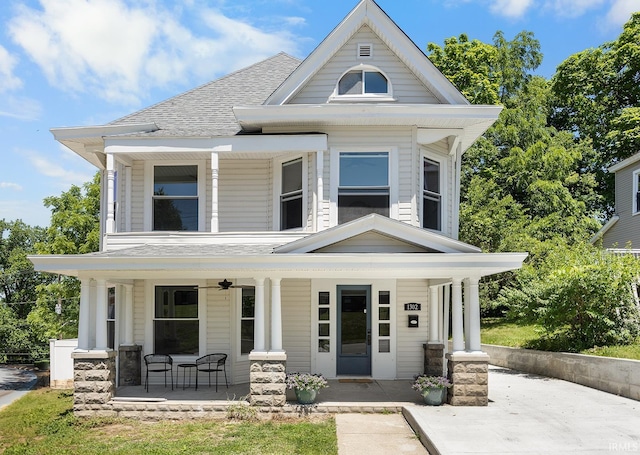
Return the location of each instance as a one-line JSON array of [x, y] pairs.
[[223, 285]]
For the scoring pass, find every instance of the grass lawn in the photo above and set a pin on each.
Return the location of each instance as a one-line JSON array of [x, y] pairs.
[[518, 335], [42, 422]]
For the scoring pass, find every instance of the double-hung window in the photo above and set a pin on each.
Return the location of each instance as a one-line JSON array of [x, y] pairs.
[[247, 319], [111, 317], [291, 195], [175, 198], [636, 192], [176, 327], [431, 195], [363, 186]]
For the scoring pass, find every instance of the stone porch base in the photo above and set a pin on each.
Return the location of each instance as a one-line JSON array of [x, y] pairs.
[[469, 373]]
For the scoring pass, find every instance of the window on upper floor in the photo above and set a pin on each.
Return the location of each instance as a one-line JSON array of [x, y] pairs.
[[176, 327], [363, 82], [291, 200], [363, 186], [175, 198], [431, 195], [636, 192]]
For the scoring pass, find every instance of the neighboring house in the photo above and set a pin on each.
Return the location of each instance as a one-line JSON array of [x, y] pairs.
[[622, 231], [325, 191]]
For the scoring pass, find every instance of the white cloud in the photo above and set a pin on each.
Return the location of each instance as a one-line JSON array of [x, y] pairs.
[[510, 8], [64, 177], [20, 107], [572, 8], [620, 12], [8, 81], [121, 51], [11, 186]]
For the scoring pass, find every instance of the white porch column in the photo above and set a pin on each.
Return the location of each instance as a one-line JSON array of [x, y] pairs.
[[110, 225], [84, 320], [215, 167], [101, 315], [457, 326], [259, 321], [276, 316], [433, 313], [445, 317], [319, 190], [474, 344], [128, 314], [467, 304]]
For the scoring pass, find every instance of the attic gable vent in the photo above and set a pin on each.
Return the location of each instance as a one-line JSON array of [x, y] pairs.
[[365, 50]]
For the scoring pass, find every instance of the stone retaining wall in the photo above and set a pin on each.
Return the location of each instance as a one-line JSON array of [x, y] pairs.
[[617, 376]]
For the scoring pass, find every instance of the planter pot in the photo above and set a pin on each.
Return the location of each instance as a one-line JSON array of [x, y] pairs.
[[306, 396], [434, 397]]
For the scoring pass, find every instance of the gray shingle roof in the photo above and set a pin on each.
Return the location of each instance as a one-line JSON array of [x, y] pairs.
[[207, 110], [173, 251]]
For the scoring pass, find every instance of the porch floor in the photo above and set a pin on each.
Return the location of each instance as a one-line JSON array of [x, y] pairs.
[[343, 393]]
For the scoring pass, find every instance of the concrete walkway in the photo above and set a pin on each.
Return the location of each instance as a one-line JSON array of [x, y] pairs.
[[376, 434], [530, 414]]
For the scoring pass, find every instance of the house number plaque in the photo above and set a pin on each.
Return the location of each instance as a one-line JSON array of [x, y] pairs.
[[412, 306]]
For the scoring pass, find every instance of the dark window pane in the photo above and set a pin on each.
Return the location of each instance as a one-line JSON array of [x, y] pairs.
[[111, 303], [431, 176], [248, 302], [351, 83], [384, 313], [323, 314], [175, 180], [375, 82], [384, 346], [111, 334], [323, 330], [385, 329], [175, 214], [292, 176], [323, 298], [291, 213], [354, 323], [351, 207], [364, 169], [431, 213], [179, 302], [246, 336], [383, 298], [176, 337], [324, 346]]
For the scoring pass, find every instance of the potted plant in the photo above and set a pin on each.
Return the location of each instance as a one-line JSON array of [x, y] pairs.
[[306, 386], [432, 388]]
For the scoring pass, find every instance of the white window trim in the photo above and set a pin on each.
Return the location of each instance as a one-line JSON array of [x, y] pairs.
[[150, 295], [148, 190], [334, 163], [277, 187], [237, 302], [335, 97], [634, 206], [444, 185]]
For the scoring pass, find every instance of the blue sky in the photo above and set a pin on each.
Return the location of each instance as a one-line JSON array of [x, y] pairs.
[[87, 62]]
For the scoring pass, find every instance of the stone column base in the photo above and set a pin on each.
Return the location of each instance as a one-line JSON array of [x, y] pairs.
[[129, 361], [94, 374], [469, 373], [267, 377], [434, 359]]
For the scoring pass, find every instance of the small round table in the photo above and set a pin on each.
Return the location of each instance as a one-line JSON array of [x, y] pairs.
[[185, 367]]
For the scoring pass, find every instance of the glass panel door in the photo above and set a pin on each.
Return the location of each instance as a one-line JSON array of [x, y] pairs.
[[354, 330]]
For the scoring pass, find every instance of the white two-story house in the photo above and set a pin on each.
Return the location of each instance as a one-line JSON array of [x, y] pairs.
[[302, 213]]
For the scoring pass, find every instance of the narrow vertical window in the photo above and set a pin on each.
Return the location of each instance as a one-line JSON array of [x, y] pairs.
[[431, 195], [291, 195], [384, 321], [175, 198], [247, 319], [111, 318], [363, 185], [324, 323], [636, 191]]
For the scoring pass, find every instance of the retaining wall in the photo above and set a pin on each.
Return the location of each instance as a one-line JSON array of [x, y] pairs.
[[617, 376]]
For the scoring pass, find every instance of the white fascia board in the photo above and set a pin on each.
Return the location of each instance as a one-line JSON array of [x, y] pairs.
[[608, 225], [248, 143], [367, 265], [622, 164], [96, 132]]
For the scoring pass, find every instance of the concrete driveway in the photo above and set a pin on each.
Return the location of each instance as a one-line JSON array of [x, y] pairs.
[[15, 382]]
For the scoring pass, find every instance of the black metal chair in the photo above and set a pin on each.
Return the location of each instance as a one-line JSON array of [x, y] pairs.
[[210, 363], [158, 363]]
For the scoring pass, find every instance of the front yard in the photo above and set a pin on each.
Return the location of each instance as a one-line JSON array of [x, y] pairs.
[[42, 422]]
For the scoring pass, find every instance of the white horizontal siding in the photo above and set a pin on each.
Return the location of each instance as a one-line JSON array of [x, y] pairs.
[[371, 242], [296, 323], [244, 195], [139, 313], [410, 359], [406, 87], [627, 228], [137, 196]]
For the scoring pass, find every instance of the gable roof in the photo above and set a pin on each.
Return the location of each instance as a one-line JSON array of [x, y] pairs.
[[367, 12], [624, 163], [207, 110], [427, 240]]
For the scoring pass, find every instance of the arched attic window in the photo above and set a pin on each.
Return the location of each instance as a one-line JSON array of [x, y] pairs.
[[363, 83]]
